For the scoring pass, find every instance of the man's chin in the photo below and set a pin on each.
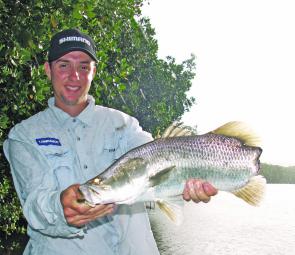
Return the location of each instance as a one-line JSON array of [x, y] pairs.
[[70, 101]]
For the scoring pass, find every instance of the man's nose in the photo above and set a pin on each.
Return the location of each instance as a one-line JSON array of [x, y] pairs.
[[74, 73]]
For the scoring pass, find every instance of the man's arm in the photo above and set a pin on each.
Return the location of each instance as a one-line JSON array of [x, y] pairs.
[[37, 189]]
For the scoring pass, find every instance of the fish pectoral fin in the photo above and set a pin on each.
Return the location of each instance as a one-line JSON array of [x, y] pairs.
[[253, 192], [172, 210], [160, 177]]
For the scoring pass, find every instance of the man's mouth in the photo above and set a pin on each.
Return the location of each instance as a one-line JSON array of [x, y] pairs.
[[72, 88]]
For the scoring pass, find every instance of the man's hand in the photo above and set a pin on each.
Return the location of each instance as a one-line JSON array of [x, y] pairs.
[[198, 190], [79, 214]]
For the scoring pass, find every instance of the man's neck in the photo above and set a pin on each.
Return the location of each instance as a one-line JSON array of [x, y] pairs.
[[73, 110]]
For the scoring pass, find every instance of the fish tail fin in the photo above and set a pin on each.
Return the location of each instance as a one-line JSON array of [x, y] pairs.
[[172, 209], [253, 192], [239, 130]]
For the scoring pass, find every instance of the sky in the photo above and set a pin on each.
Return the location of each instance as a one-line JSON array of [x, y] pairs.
[[245, 64]]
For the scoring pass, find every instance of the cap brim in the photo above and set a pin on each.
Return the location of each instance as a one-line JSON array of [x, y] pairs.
[[57, 55]]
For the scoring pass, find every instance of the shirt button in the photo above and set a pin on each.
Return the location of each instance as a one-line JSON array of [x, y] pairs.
[[74, 120], [85, 166], [78, 138]]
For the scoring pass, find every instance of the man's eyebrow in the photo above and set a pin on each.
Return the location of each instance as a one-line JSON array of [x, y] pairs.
[[86, 62], [62, 60]]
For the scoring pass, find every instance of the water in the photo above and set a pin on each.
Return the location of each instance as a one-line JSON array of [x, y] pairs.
[[229, 226]]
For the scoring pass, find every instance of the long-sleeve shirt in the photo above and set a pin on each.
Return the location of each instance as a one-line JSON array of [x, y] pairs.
[[52, 150]]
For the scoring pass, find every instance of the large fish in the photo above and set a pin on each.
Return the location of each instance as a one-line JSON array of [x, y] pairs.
[[227, 157]]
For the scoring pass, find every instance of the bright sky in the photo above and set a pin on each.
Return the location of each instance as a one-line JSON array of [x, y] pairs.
[[245, 71]]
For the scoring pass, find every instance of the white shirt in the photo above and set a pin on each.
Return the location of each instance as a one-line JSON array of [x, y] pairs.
[[52, 150]]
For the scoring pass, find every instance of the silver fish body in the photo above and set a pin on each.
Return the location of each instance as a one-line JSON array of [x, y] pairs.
[[157, 171]]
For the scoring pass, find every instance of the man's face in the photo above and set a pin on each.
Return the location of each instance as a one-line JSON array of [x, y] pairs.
[[71, 76]]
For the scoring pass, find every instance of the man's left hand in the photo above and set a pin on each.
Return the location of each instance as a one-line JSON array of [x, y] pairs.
[[198, 190]]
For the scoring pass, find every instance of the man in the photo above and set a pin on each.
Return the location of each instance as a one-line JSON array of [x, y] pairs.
[[68, 143]]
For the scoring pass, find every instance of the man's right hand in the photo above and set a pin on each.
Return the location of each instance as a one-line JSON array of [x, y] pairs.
[[79, 214]]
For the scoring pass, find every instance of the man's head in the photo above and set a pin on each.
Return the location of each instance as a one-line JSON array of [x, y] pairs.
[[71, 69], [70, 40]]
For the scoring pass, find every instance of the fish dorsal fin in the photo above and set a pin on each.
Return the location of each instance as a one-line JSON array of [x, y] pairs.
[[253, 192], [239, 130], [172, 210], [177, 129], [161, 176]]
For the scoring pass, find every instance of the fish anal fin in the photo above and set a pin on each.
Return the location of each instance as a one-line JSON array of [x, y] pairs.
[[239, 130], [253, 192], [172, 210], [160, 176]]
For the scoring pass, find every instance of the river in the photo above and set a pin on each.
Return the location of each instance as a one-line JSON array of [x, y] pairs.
[[229, 226]]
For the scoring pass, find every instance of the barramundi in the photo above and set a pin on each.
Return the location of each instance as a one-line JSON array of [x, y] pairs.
[[227, 157]]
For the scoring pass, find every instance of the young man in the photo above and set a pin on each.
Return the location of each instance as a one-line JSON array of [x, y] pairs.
[[71, 141]]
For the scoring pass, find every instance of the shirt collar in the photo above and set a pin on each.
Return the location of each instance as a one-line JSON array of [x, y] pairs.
[[86, 116]]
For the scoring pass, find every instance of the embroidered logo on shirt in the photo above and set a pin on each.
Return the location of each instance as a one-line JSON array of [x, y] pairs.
[[48, 141]]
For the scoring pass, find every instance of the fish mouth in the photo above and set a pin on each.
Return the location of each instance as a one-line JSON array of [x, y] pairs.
[[89, 195], [81, 199]]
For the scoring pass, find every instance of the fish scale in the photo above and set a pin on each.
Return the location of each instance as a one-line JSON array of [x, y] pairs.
[[158, 170]]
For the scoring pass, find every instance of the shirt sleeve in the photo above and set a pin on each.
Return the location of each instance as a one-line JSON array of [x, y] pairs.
[[37, 190], [135, 135]]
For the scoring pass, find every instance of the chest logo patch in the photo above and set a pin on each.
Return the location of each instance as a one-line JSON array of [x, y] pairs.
[[48, 141]]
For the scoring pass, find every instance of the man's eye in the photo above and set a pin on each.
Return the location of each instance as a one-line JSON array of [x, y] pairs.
[[63, 65]]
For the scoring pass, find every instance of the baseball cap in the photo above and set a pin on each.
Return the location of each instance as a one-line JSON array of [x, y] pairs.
[[70, 40]]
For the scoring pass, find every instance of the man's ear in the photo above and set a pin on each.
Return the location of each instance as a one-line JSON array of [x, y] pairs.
[[94, 72], [47, 70]]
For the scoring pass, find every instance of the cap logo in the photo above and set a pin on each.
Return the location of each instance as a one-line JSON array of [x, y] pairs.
[[74, 39]]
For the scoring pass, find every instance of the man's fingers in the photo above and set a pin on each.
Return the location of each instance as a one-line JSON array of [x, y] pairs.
[[198, 190], [90, 215], [209, 189], [186, 195]]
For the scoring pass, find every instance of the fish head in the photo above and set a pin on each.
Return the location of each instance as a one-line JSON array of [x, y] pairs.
[[95, 193]]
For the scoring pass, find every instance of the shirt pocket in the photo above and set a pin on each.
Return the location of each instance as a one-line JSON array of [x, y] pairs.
[[110, 150], [111, 147], [61, 161]]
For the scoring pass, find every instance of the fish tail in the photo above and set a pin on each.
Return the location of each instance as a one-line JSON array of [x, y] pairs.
[[253, 192]]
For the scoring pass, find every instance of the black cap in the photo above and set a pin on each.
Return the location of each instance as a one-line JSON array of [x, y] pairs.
[[70, 40]]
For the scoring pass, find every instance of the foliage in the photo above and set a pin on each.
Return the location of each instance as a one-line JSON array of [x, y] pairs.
[[278, 174], [130, 77]]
